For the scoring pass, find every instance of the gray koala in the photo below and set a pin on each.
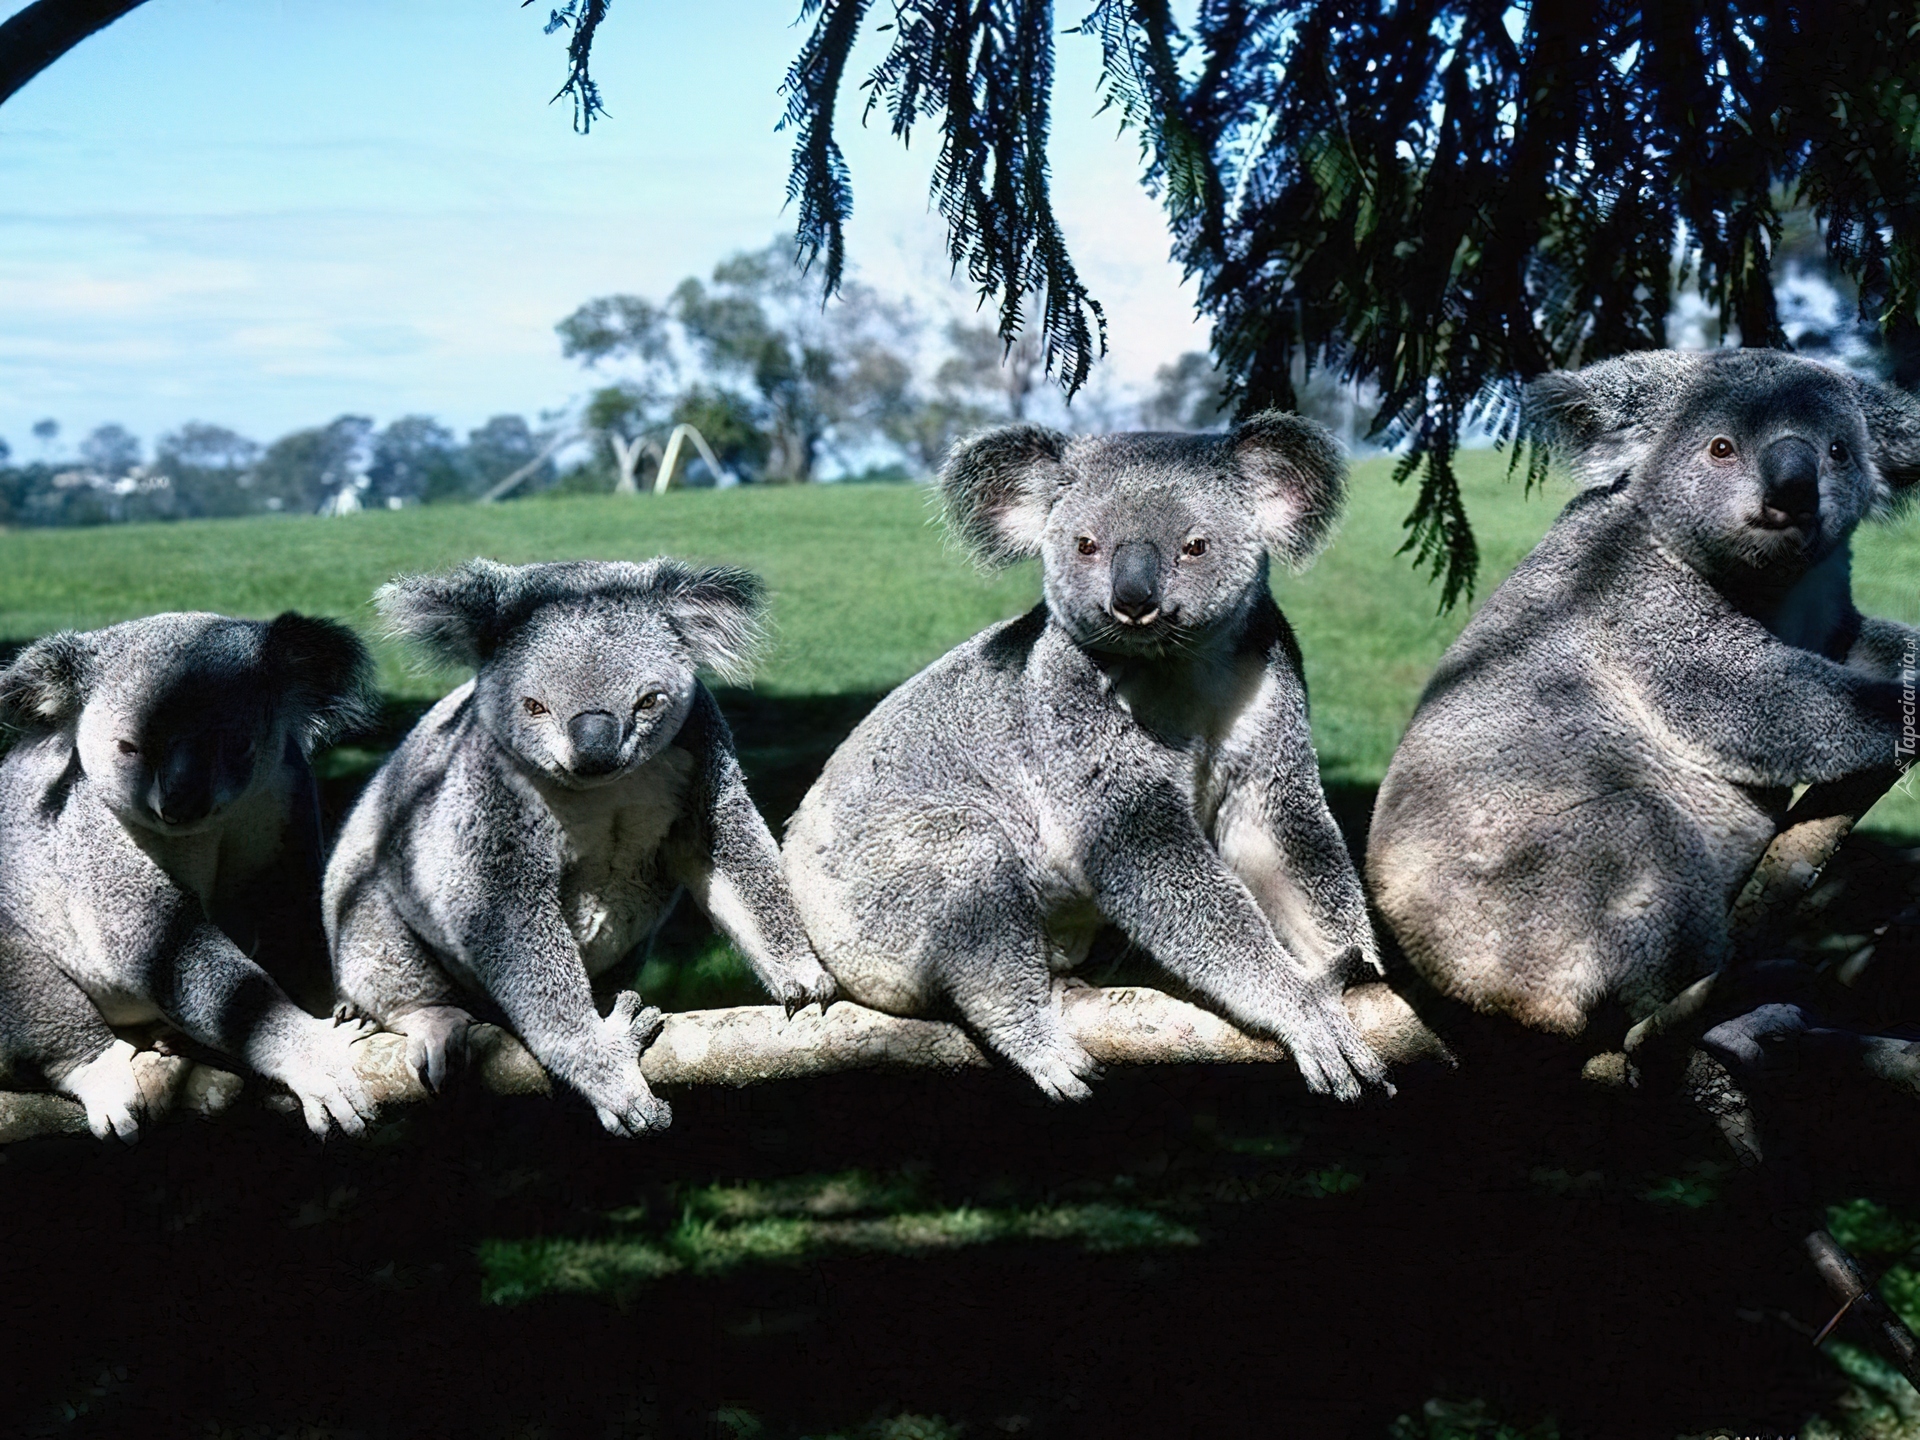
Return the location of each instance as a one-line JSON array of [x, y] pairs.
[[1606, 751], [156, 804], [536, 826], [1134, 750]]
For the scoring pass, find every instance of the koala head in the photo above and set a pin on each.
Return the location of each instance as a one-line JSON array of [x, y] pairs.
[[1147, 540], [175, 717], [1753, 465], [584, 669]]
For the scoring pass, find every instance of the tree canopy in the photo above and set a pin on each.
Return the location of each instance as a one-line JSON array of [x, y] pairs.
[[1442, 198]]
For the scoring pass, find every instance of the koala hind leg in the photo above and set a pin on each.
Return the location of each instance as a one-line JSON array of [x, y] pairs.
[[49, 1024], [994, 951]]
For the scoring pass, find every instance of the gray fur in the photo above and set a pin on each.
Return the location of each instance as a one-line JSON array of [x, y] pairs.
[[1069, 768], [156, 806], [500, 862], [1604, 754]]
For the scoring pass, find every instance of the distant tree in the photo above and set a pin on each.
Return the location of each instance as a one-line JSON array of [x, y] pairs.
[[6, 451], [623, 418], [416, 460], [306, 470], [46, 431], [1189, 394], [815, 377], [208, 468], [729, 422], [111, 450], [503, 445]]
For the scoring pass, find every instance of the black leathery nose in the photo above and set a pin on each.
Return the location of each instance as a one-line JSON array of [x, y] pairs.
[[1790, 477], [596, 741], [183, 786], [1136, 579]]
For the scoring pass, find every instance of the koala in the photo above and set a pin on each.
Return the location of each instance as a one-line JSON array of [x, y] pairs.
[[1602, 757], [539, 823], [1133, 751], [156, 803]]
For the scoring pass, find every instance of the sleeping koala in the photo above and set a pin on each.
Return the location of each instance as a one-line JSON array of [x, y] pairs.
[[1134, 750], [157, 792], [536, 826], [1604, 754]]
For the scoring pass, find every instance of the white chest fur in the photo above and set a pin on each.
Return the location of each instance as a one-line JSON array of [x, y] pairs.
[[613, 886]]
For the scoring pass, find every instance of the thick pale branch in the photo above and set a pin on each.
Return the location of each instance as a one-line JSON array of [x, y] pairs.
[[755, 1043], [40, 34]]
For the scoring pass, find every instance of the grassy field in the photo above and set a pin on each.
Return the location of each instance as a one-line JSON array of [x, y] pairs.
[[865, 589]]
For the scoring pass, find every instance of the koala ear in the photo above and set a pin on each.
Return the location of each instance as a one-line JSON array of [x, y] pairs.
[[1298, 479], [997, 488], [1893, 429], [1603, 419], [718, 613], [326, 673], [47, 683], [458, 615]]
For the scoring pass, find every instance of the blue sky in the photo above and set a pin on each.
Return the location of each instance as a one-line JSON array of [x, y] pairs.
[[264, 213]]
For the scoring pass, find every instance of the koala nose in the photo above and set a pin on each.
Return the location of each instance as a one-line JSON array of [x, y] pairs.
[[596, 742], [1136, 582], [182, 791], [1790, 482]]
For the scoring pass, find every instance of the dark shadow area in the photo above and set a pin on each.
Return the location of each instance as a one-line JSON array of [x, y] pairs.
[[1301, 1269]]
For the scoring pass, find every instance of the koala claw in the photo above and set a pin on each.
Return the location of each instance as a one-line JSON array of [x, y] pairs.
[[323, 1080], [107, 1087], [1063, 1074], [436, 1043], [633, 1016], [1332, 1057], [644, 1112]]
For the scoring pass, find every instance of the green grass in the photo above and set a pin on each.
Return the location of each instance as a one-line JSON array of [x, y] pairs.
[[865, 590]]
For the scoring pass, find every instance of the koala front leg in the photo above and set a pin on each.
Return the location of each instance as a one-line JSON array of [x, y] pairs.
[[48, 1024], [1277, 834], [530, 965], [202, 982], [384, 972], [726, 857], [1155, 875]]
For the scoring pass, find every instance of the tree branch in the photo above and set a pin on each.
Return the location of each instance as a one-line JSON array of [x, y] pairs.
[[40, 34], [751, 1044]]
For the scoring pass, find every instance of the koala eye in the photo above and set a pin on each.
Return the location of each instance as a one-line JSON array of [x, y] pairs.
[[1838, 453], [1088, 546], [533, 706], [1196, 547], [127, 747], [1720, 448], [651, 700]]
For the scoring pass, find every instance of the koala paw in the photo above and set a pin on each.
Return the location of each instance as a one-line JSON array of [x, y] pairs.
[[805, 984], [1062, 1072], [1331, 1056], [320, 1074], [622, 1099], [436, 1043], [107, 1087]]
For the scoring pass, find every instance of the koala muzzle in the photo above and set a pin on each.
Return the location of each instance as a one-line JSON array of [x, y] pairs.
[[1789, 484], [1136, 583], [595, 735], [182, 790]]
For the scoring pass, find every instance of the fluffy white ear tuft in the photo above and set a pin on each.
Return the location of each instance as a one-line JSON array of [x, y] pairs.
[[456, 615], [1603, 419], [1299, 482], [47, 683], [998, 488], [718, 612]]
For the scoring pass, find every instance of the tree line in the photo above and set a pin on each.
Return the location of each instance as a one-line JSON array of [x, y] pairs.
[[782, 388]]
